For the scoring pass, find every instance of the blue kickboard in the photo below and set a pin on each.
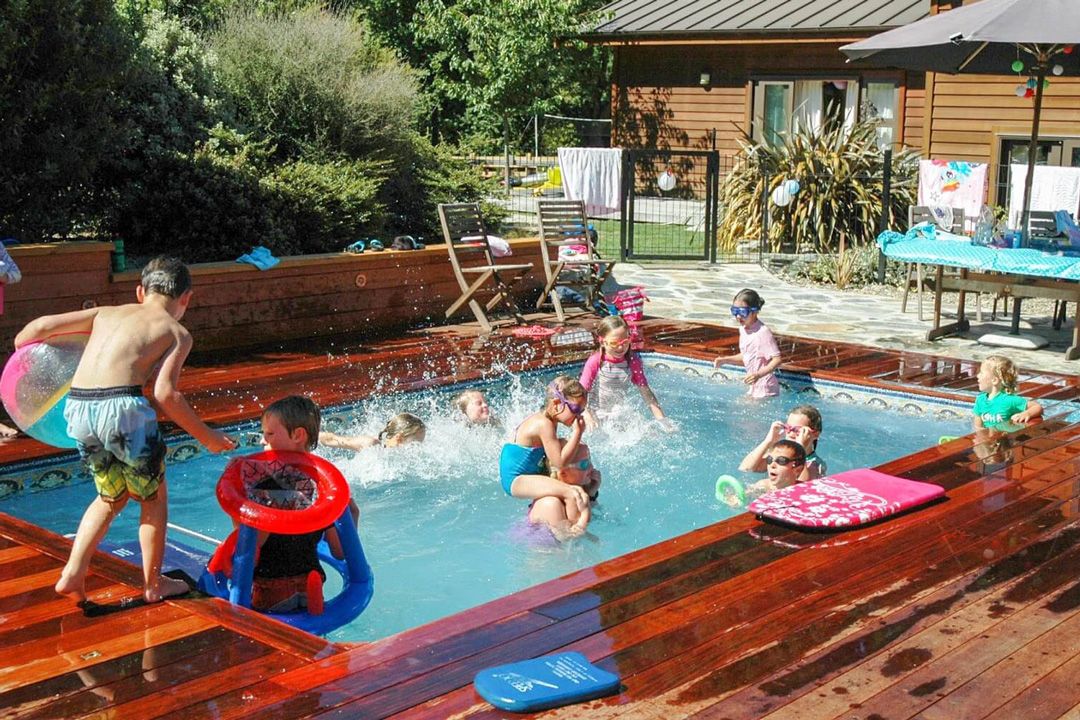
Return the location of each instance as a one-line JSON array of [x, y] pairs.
[[544, 682]]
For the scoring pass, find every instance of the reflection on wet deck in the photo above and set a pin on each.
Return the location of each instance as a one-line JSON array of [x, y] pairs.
[[968, 608]]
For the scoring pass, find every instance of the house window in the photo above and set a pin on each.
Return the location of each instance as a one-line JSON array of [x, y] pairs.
[[772, 112], [881, 102], [781, 107]]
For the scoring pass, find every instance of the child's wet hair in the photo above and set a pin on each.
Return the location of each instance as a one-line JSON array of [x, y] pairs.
[[798, 450], [461, 402], [166, 276], [750, 297], [404, 426], [568, 386], [811, 413], [1004, 371], [609, 325], [297, 411]]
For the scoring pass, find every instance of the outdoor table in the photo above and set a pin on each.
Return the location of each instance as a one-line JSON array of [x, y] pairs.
[[1018, 273]]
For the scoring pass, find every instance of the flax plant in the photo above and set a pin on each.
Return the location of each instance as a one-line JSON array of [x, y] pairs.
[[839, 171]]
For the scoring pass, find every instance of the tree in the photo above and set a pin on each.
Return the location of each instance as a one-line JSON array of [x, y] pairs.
[[61, 64], [488, 64]]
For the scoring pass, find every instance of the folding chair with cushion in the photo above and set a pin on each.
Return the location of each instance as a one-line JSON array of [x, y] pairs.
[[920, 214], [563, 225], [475, 267]]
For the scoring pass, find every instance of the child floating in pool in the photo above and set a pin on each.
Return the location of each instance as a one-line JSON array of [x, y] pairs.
[[526, 463], [288, 574], [115, 427], [611, 371], [473, 405], [803, 425], [758, 350], [402, 429], [997, 406]]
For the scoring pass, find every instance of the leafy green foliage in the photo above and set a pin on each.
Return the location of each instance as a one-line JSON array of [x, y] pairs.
[[61, 63], [322, 207], [314, 83], [858, 268], [839, 171], [486, 61]]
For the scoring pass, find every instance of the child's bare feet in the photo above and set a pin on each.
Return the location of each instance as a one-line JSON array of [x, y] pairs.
[[167, 587], [72, 586]]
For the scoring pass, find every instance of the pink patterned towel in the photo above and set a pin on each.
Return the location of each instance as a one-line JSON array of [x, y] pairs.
[[847, 499]]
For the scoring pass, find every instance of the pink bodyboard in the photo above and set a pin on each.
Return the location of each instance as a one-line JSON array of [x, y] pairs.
[[844, 500]]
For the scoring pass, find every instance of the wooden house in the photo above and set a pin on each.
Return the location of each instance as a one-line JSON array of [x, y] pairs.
[[701, 73]]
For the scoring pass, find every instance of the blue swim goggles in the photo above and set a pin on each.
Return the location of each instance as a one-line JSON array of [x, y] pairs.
[[584, 464], [742, 312]]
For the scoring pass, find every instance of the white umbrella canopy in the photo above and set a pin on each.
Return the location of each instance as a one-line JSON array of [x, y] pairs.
[[986, 38]]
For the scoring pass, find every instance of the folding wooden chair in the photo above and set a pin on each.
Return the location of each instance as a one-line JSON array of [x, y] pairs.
[[564, 223], [920, 214], [475, 267]]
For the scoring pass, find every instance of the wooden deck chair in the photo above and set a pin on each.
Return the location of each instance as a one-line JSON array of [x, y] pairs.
[[564, 223], [475, 267], [920, 214]]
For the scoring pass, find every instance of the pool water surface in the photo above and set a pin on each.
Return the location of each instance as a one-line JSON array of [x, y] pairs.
[[439, 532]]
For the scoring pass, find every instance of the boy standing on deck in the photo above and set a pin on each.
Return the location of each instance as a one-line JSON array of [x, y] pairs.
[[113, 424]]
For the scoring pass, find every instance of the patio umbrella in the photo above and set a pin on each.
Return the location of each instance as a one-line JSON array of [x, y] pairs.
[[989, 37]]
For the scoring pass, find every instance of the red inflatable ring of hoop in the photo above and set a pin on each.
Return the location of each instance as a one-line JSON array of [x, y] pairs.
[[331, 500]]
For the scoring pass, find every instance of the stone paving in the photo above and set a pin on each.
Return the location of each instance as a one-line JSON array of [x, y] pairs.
[[703, 293]]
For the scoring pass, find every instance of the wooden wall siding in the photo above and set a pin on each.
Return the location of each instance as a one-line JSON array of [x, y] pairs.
[[658, 101], [236, 305], [967, 110], [914, 108]]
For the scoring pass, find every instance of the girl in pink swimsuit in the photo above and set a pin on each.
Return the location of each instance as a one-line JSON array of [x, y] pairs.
[[610, 372], [758, 351]]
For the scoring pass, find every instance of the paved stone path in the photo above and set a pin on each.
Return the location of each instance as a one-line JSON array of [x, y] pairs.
[[703, 293]]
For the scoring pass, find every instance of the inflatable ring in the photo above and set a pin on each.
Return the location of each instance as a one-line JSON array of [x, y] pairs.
[[331, 487], [727, 483], [946, 438]]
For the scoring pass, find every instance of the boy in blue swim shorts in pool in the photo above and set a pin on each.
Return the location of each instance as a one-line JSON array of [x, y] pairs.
[[527, 464], [113, 424]]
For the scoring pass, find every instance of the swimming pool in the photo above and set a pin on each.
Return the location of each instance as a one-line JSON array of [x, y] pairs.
[[440, 534]]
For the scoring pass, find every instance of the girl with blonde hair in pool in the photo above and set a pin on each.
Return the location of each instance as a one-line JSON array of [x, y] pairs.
[[402, 429]]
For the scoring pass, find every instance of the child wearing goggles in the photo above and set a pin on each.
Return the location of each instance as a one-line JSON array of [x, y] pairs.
[[526, 463], [758, 351], [803, 426], [785, 462], [610, 372]]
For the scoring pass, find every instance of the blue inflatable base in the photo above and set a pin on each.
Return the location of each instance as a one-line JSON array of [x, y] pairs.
[[544, 682]]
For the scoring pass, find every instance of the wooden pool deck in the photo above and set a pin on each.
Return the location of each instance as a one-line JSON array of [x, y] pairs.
[[969, 608]]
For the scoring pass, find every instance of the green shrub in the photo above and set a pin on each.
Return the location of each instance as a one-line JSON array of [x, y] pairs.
[[61, 64], [839, 171], [322, 207], [206, 206], [423, 176], [858, 269], [314, 83]]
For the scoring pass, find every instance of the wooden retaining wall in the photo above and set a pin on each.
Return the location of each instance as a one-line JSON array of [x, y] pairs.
[[237, 305]]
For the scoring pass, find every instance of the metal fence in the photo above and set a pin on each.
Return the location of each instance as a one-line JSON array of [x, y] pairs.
[[670, 208]]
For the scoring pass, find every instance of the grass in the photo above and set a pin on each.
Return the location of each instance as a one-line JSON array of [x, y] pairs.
[[652, 239]]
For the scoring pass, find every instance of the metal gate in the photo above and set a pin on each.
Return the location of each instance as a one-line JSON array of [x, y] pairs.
[[669, 208]]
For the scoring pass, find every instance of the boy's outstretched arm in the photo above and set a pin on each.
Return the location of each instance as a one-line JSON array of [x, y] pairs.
[[46, 325], [176, 406]]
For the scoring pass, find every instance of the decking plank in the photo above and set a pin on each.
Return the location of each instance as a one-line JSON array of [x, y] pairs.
[[848, 671], [93, 650]]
